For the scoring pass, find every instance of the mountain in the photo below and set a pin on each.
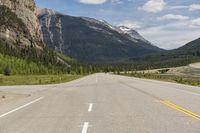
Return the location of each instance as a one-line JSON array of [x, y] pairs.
[[191, 46], [91, 40], [187, 54], [189, 50]]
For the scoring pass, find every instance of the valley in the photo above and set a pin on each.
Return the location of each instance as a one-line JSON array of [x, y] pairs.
[[89, 66], [78, 46]]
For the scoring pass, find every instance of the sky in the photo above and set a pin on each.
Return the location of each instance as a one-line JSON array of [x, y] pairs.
[[168, 24]]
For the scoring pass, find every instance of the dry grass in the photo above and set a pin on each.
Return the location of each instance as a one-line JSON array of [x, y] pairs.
[[185, 75], [36, 79]]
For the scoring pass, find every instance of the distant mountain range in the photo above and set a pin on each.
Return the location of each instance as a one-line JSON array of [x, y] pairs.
[[91, 40], [184, 55], [82, 38]]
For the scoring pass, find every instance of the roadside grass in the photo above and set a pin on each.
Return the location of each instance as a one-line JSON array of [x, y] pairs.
[[36, 79], [194, 81]]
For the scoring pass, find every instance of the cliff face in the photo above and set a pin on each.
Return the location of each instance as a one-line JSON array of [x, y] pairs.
[[51, 22], [25, 10]]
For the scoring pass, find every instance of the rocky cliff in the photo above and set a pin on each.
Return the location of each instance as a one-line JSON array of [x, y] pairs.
[[19, 23], [51, 23]]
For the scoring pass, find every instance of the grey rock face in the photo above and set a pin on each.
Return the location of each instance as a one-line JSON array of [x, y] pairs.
[[26, 11], [51, 28]]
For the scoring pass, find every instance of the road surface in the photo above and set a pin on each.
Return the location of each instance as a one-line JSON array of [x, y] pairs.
[[103, 103]]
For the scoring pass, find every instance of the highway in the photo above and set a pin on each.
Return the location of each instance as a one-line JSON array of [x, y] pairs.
[[103, 103]]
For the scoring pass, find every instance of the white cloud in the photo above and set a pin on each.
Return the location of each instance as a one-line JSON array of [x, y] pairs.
[[195, 23], [173, 17], [130, 24], [177, 7], [94, 2], [194, 7], [154, 6], [172, 35], [116, 1]]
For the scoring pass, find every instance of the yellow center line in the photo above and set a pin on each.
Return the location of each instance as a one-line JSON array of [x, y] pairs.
[[181, 109]]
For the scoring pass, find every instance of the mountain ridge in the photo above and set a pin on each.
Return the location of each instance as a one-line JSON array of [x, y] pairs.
[[194, 44], [88, 39]]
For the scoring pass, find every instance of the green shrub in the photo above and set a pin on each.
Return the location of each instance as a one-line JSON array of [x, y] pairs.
[[7, 71]]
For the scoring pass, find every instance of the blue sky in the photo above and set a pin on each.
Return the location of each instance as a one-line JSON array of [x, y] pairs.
[[166, 23]]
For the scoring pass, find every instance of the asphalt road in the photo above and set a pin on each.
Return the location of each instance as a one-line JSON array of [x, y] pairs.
[[103, 103]]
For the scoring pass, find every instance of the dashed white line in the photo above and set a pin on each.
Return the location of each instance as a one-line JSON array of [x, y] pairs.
[[85, 127], [21, 107], [90, 107]]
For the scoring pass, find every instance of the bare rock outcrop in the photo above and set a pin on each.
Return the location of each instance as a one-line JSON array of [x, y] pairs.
[[26, 11]]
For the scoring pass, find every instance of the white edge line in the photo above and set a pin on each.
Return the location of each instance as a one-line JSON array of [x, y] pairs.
[[90, 107], [21, 107], [85, 127]]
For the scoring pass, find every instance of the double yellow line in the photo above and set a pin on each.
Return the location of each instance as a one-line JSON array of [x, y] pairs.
[[180, 109]]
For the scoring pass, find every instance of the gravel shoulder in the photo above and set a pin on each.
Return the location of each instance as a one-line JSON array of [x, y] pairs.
[[7, 97]]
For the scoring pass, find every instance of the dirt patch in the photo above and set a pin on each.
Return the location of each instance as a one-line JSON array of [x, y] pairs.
[[195, 65], [6, 97], [191, 70]]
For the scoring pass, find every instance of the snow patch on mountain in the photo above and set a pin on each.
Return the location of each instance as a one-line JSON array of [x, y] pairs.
[[132, 33]]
